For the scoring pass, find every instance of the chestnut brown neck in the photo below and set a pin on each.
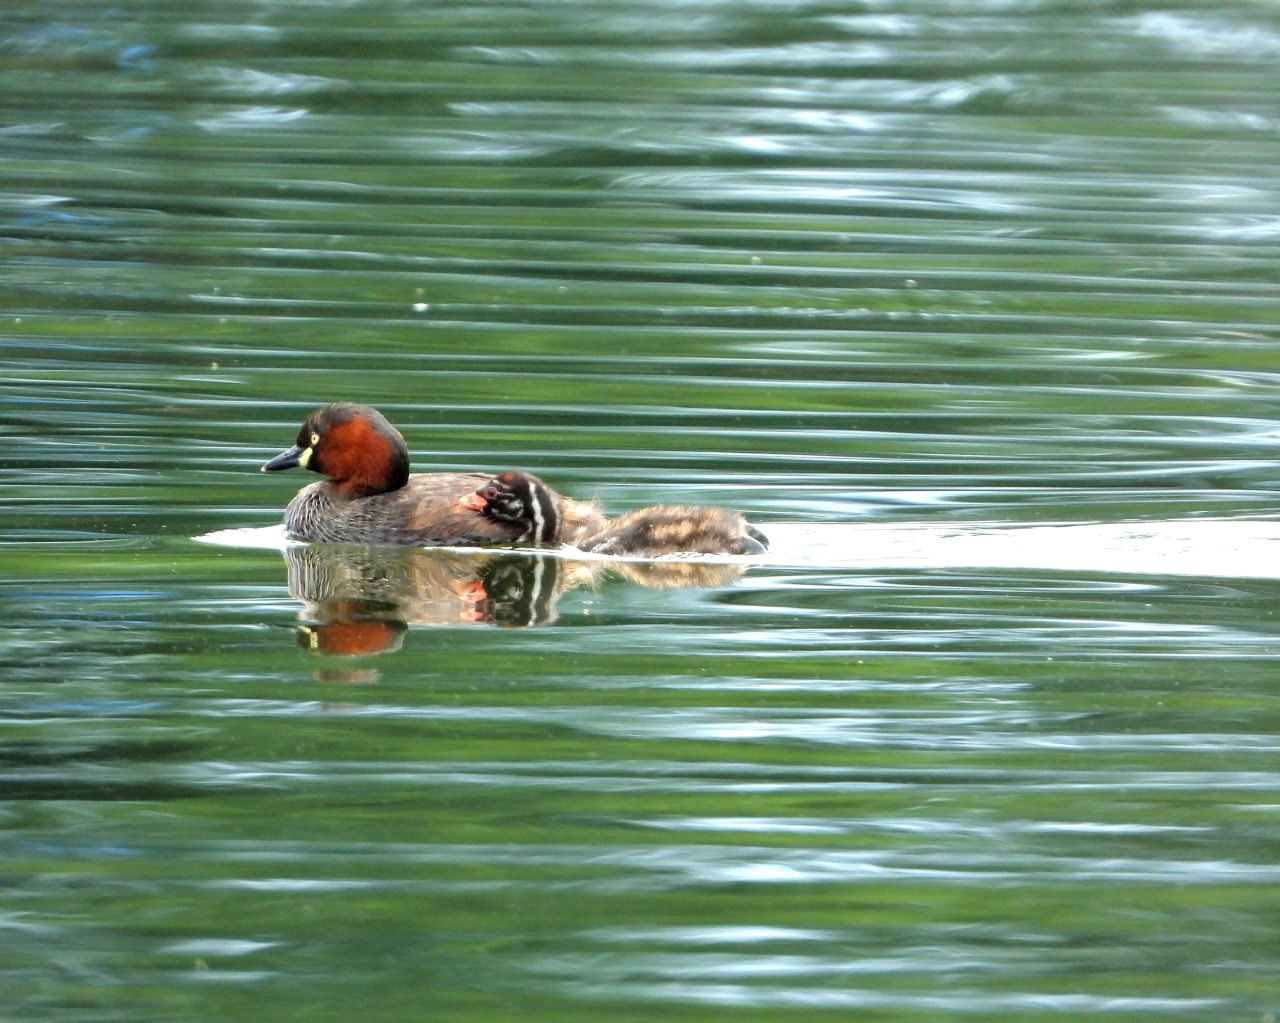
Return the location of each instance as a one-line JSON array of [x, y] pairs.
[[362, 456]]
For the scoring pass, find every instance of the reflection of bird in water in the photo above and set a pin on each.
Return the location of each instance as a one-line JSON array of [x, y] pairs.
[[422, 587], [359, 600]]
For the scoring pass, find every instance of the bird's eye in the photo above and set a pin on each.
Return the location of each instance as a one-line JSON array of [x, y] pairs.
[[489, 492], [315, 438]]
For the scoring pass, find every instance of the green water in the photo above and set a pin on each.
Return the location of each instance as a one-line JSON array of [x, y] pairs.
[[846, 263]]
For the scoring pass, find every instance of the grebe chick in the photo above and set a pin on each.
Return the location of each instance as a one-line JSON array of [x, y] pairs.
[[526, 503]]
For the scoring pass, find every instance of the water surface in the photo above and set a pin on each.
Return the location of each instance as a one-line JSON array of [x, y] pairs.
[[973, 306]]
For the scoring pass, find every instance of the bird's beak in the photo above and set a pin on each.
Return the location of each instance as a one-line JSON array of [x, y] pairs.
[[473, 501], [290, 459]]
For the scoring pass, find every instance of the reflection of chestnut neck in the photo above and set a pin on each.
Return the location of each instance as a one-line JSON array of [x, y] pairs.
[[351, 637]]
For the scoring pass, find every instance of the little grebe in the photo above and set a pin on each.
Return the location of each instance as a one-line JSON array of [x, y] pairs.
[[526, 503], [370, 497]]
